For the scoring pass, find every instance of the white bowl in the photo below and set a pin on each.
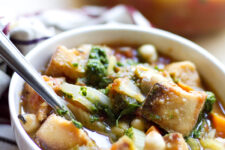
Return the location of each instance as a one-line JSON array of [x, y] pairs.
[[210, 69]]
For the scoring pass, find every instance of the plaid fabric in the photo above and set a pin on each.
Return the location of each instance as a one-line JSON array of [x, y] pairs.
[[29, 30]]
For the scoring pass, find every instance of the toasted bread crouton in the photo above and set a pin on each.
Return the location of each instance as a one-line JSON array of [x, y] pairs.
[[124, 143], [175, 141], [58, 133], [186, 73], [172, 108], [54, 83], [68, 62], [149, 76], [32, 101]]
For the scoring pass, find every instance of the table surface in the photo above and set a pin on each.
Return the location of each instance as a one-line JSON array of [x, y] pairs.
[[214, 43]]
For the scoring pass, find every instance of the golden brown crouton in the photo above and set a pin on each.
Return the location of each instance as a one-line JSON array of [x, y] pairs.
[[175, 141], [186, 72], [58, 133], [124, 143], [68, 62], [149, 76], [173, 108], [32, 102]]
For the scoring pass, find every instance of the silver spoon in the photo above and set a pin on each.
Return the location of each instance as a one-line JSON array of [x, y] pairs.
[[12, 56]]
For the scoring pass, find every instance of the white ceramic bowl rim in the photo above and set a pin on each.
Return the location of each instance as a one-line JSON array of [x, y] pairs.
[[154, 31]]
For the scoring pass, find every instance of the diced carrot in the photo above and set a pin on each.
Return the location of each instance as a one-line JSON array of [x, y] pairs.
[[185, 87], [124, 143], [218, 122], [152, 128]]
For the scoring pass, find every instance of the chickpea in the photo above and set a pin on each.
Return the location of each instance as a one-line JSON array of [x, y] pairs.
[[148, 53], [154, 141], [119, 131], [123, 125], [138, 124]]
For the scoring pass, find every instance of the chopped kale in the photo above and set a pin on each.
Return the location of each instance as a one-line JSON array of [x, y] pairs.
[[105, 109], [83, 91], [104, 91], [97, 68], [107, 91], [157, 68], [210, 100], [68, 95], [77, 123], [119, 64], [62, 112], [75, 64], [129, 132], [105, 81], [128, 110], [208, 106], [126, 106], [94, 118]]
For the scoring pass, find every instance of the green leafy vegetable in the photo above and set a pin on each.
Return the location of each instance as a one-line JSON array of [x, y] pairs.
[[77, 123], [83, 91], [106, 109], [94, 118], [201, 123], [105, 81], [137, 136], [97, 67], [62, 112], [210, 100], [129, 132], [119, 64], [75, 64], [104, 91], [128, 110], [157, 68], [67, 95]]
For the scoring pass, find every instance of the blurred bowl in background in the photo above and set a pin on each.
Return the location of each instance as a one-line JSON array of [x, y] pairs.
[[184, 17]]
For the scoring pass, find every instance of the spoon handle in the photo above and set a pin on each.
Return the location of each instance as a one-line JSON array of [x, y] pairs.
[[12, 56]]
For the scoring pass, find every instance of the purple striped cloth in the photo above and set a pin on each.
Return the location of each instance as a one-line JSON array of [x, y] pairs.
[[29, 30]]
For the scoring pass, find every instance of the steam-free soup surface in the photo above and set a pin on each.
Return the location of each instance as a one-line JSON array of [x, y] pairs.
[[123, 98]]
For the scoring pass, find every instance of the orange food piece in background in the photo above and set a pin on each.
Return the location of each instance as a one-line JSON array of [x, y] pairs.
[[218, 122], [152, 128], [185, 87]]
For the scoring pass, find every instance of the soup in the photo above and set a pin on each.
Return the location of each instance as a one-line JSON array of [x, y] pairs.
[[123, 97]]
